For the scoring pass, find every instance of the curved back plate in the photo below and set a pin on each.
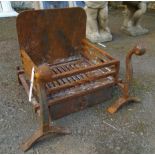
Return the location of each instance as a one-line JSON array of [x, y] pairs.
[[47, 35]]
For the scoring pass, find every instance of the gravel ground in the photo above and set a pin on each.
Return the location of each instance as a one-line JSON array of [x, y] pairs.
[[130, 130]]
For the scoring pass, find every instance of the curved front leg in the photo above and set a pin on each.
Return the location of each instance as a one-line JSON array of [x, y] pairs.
[[41, 76], [40, 133], [125, 98], [120, 102]]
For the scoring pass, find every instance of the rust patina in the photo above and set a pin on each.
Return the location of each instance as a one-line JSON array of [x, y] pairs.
[[70, 72]]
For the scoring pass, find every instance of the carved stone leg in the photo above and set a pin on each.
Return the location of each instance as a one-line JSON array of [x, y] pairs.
[[127, 19], [92, 32], [132, 19], [138, 14], [120, 102], [105, 34]]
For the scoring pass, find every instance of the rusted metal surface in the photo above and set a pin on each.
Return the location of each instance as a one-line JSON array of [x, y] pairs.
[[41, 132], [125, 98], [70, 72], [137, 50], [47, 35]]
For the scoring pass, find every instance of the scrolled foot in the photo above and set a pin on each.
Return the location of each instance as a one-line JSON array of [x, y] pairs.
[[114, 107], [134, 99], [59, 130], [40, 133], [29, 142], [120, 102]]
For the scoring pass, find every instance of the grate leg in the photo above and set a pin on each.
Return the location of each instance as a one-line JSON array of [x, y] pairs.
[[41, 133], [120, 102]]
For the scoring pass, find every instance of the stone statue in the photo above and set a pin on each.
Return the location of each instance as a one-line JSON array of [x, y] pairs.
[[97, 29], [6, 9], [132, 17], [51, 4]]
